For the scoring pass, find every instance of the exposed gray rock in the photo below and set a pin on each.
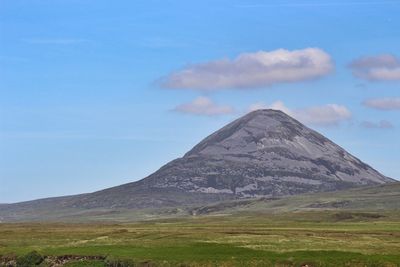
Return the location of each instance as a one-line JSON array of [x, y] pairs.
[[265, 153]]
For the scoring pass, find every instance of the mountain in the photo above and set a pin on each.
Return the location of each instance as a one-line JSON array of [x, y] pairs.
[[265, 153]]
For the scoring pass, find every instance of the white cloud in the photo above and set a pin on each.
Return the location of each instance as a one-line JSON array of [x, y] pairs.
[[377, 68], [252, 70], [383, 124], [279, 105], [323, 115], [383, 103], [204, 106], [257, 106], [330, 114]]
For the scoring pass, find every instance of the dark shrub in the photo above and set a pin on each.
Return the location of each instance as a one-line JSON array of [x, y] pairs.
[[31, 259], [111, 262]]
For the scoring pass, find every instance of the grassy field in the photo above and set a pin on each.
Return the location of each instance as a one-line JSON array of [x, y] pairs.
[[334, 238]]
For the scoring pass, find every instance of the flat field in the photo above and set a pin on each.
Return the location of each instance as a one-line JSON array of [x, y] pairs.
[[291, 239]]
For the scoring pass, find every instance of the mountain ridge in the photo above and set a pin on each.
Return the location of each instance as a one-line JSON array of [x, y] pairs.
[[268, 142]]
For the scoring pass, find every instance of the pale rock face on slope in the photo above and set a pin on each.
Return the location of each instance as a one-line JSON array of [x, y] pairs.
[[264, 153]]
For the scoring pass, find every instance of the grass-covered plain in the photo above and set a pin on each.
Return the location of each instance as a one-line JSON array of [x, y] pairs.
[[334, 238]]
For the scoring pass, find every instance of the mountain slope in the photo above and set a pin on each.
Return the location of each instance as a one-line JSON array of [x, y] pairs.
[[380, 198], [265, 153]]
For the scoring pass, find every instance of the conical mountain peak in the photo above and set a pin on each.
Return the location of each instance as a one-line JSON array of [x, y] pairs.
[[256, 131], [266, 152]]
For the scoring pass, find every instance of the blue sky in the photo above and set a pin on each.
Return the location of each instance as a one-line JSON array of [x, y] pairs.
[[84, 104]]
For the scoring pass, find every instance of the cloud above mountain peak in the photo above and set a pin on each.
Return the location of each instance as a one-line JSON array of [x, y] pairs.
[[325, 115], [253, 70]]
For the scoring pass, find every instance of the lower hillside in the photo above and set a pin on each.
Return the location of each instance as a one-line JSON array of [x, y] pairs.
[[382, 198]]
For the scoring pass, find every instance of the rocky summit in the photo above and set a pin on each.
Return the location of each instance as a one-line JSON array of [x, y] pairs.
[[265, 153]]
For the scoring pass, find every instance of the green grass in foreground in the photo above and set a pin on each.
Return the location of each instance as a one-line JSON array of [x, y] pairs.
[[316, 239]]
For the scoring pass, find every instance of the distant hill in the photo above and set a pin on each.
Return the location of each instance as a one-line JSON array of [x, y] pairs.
[[265, 153]]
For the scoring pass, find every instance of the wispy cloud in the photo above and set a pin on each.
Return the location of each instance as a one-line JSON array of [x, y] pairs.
[[253, 70], [257, 106], [326, 115], [377, 68], [55, 41], [387, 103], [383, 124], [204, 106]]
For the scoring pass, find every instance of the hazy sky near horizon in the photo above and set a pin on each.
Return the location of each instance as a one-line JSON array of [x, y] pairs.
[[97, 93]]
